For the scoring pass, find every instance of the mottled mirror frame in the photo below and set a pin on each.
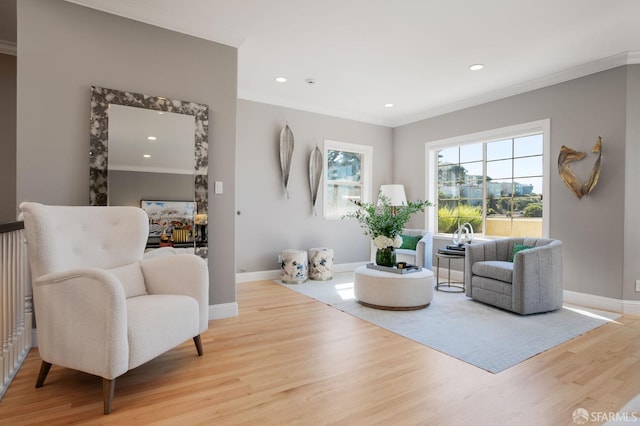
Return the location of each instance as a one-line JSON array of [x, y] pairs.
[[99, 141]]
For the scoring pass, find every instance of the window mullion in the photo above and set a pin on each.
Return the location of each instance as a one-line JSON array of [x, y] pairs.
[[484, 188]]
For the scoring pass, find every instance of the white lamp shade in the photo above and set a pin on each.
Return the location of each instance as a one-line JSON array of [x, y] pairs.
[[395, 194]]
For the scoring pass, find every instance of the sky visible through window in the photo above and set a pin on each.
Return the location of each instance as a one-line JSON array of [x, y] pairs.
[[520, 158]]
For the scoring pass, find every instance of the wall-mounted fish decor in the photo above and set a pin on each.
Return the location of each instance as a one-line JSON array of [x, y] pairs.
[[286, 155], [315, 173], [568, 155]]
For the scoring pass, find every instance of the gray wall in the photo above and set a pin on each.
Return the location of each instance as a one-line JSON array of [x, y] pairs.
[[592, 229], [269, 223], [64, 49], [7, 138], [128, 188], [632, 187]]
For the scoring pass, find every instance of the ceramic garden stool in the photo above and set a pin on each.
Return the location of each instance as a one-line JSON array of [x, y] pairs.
[[320, 264], [396, 292], [294, 266]]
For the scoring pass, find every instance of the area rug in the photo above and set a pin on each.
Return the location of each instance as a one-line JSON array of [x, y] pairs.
[[629, 414], [481, 335]]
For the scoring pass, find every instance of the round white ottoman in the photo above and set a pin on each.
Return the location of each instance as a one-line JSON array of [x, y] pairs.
[[398, 292]]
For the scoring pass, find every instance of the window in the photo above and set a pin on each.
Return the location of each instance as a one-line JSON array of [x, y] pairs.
[[495, 180], [347, 177]]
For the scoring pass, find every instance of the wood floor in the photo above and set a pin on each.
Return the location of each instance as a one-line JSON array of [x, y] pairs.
[[287, 359]]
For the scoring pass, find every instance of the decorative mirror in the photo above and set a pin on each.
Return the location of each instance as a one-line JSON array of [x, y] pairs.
[[176, 162]]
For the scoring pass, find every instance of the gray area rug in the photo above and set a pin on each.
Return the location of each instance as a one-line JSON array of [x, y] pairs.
[[487, 337]]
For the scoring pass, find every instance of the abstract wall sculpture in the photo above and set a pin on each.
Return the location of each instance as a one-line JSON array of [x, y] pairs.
[[286, 155], [568, 176], [315, 173]]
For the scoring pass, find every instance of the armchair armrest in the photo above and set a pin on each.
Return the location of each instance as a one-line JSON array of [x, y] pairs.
[[184, 274], [424, 251], [65, 335], [537, 278], [477, 252]]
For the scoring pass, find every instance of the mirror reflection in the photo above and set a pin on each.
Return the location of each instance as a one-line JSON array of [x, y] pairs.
[[152, 152], [151, 164]]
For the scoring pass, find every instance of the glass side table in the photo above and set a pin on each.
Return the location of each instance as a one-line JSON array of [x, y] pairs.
[[449, 285]]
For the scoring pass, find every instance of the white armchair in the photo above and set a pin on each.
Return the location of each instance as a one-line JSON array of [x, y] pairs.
[[100, 307], [422, 255]]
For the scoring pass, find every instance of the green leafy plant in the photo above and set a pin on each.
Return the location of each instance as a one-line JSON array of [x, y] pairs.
[[450, 218], [533, 210], [384, 220]]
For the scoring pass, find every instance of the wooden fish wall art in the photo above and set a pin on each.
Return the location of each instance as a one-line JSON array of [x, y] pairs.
[[568, 176]]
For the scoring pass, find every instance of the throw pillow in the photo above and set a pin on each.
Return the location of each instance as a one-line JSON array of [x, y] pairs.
[[410, 242], [131, 278], [516, 249]]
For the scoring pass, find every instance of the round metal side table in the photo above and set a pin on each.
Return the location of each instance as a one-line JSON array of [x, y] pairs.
[[449, 285]]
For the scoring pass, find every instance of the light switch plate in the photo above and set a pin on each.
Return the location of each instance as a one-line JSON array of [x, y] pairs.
[[217, 187]]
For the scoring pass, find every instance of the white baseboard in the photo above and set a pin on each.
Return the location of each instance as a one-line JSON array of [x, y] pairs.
[[628, 307], [244, 277], [223, 310]]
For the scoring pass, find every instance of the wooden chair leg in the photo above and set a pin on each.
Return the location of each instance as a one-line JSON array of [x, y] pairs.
[[108, 387], [198, 341], [44, 370]]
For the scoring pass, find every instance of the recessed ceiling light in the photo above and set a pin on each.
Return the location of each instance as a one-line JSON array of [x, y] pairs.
[[151, 138], [388, 105], [476, 67], [281, 79], [147, 155]]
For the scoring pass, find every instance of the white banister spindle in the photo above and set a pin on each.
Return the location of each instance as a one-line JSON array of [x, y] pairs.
[[16, 318]]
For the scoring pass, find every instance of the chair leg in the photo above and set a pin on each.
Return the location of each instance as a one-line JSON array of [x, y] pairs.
[[44, 370], [108, 387], [198, 341]]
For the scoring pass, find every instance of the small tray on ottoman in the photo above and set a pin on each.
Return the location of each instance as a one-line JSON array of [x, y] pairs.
[[406, 270]]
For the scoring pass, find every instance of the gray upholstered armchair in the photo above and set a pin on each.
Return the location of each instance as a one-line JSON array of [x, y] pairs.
[[531, 283]]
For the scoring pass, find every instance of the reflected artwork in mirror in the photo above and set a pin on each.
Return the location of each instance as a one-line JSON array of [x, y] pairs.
[[183, 165]]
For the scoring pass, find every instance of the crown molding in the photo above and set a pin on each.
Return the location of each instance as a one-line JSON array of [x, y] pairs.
[[249, 95], [633, 58], [8, 47], [604, 64]]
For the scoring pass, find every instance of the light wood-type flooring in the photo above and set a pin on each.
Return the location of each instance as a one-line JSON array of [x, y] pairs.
[[287, 359]]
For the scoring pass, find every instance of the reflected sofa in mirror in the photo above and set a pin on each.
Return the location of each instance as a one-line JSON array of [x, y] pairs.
[[102, 101]]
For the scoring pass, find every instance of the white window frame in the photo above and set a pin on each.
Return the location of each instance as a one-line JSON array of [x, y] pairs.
[[518, 130], [366, 170]]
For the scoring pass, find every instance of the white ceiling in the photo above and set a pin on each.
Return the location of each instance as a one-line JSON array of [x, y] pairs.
[[412, 53]]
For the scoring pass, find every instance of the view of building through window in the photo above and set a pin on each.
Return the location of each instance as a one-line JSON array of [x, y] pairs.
[[344, 180], [347, 177], [495, 186]]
